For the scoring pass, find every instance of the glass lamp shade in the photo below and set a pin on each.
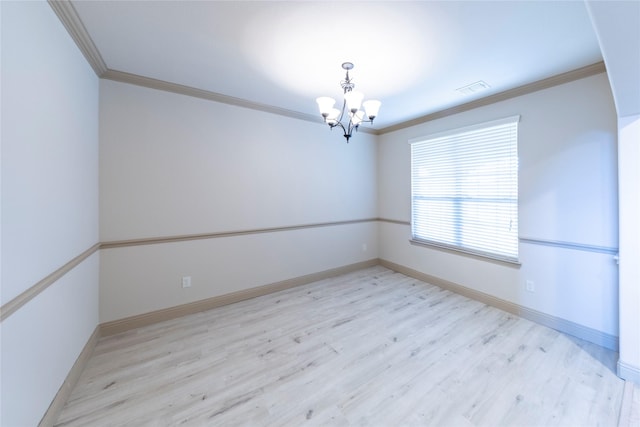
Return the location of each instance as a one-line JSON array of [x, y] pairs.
[[354, 99], [356, 118], [371, 107], [332, 117], [325, 104]]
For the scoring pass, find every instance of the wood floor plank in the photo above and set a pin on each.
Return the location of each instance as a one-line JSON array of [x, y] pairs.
[[372, 347]]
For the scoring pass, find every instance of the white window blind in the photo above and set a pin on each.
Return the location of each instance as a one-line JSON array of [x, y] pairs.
[[464, 189]]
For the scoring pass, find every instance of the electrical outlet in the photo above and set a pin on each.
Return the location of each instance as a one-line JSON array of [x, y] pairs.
[[530, 286], [364, 247], [186, 281]]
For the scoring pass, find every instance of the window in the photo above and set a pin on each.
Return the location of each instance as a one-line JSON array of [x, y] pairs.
[[464, 189]]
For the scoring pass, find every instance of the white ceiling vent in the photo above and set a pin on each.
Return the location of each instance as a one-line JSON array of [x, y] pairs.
[[474, 87]]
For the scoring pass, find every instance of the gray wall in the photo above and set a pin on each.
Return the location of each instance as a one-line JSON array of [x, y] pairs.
[[49, 206], [172, 165]]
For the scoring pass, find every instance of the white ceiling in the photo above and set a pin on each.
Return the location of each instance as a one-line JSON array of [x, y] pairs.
[[410, 55]]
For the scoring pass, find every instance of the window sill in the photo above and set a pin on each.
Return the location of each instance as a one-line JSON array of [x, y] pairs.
[[473, 254]]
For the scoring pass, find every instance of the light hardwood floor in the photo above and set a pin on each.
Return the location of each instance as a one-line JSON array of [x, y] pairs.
[[373, 347]]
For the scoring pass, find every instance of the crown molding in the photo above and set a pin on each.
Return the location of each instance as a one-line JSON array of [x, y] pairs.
[[569, 76], [138, 80], [556, 80], [76, 29], [72, 22]]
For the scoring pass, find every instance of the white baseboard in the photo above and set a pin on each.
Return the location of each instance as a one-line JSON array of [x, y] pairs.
[[571, 328], [628, 372], [51, 416], [145, 319]]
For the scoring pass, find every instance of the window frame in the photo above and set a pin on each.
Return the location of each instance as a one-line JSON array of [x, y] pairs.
[[454, 133]]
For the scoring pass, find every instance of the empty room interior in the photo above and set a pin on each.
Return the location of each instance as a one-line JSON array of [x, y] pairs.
[[202, 223]]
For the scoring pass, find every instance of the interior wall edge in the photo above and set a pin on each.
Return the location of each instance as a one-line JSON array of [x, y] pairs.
[[600, 338], [137, 321], [14, 305], [63, 394]]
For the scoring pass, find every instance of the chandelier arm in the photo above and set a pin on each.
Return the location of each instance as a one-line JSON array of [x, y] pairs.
[[341, 125], [344, 106], [352, 127]]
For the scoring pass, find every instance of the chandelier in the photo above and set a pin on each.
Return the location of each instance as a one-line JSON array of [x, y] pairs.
[[351, 103]]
